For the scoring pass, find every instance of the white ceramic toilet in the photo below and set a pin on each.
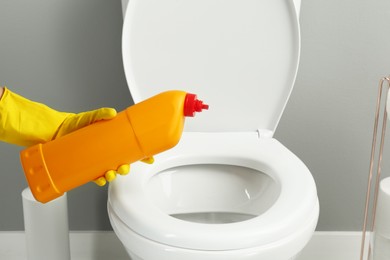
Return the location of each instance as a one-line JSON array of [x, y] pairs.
[[228, 190]]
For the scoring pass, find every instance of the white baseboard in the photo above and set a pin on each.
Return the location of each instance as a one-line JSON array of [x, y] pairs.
[[84, 245], [99, 245], [333, 246]]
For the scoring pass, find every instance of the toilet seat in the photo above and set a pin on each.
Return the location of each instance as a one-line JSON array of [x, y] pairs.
[[292, 210]]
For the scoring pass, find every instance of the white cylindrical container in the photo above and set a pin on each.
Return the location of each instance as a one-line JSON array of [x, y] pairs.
[[381, 242], [46, 228]]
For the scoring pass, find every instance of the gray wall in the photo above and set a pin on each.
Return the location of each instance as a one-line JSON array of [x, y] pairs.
[[329, 119], [66, 53]]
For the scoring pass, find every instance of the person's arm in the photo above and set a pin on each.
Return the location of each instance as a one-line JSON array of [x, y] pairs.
[[26, 123]]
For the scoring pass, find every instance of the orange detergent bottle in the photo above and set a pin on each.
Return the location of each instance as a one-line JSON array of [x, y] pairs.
[[136, 133]]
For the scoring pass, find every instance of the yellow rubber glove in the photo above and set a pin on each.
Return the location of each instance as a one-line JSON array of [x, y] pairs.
[[25, 122]]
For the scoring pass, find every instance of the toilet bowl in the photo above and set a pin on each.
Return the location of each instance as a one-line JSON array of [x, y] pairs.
[[228, 190], [224, 202]]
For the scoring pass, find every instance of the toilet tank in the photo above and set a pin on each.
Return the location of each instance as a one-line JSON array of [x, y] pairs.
[[240, 56], [125, 2]]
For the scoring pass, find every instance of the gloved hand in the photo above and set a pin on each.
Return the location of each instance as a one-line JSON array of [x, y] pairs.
[[24, 122]]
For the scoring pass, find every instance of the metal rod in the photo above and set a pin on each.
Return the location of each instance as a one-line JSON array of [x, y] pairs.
[[370, 175], [377, 181]]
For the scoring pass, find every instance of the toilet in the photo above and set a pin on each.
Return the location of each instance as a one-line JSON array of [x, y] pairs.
[[229, 190]]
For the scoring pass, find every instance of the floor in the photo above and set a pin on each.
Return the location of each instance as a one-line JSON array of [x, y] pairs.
[[105, 245]]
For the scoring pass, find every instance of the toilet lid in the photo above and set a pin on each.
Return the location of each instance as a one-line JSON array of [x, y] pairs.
[[240, 57]]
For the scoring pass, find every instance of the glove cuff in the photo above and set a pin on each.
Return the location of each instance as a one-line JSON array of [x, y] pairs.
[[25, 122]]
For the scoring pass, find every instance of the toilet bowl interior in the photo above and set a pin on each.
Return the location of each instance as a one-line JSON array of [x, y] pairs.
[[212, 193]]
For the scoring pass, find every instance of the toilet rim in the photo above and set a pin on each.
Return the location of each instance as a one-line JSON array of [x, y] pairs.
[[129, 201]]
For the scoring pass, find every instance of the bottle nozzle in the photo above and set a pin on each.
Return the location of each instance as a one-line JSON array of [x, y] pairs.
[[192, 104]]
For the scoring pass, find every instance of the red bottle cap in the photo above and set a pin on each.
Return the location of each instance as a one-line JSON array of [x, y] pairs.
[[192, 104]]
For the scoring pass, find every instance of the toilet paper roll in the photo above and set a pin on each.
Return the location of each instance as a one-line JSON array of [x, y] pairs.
[[382, 221], [46, 228]]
